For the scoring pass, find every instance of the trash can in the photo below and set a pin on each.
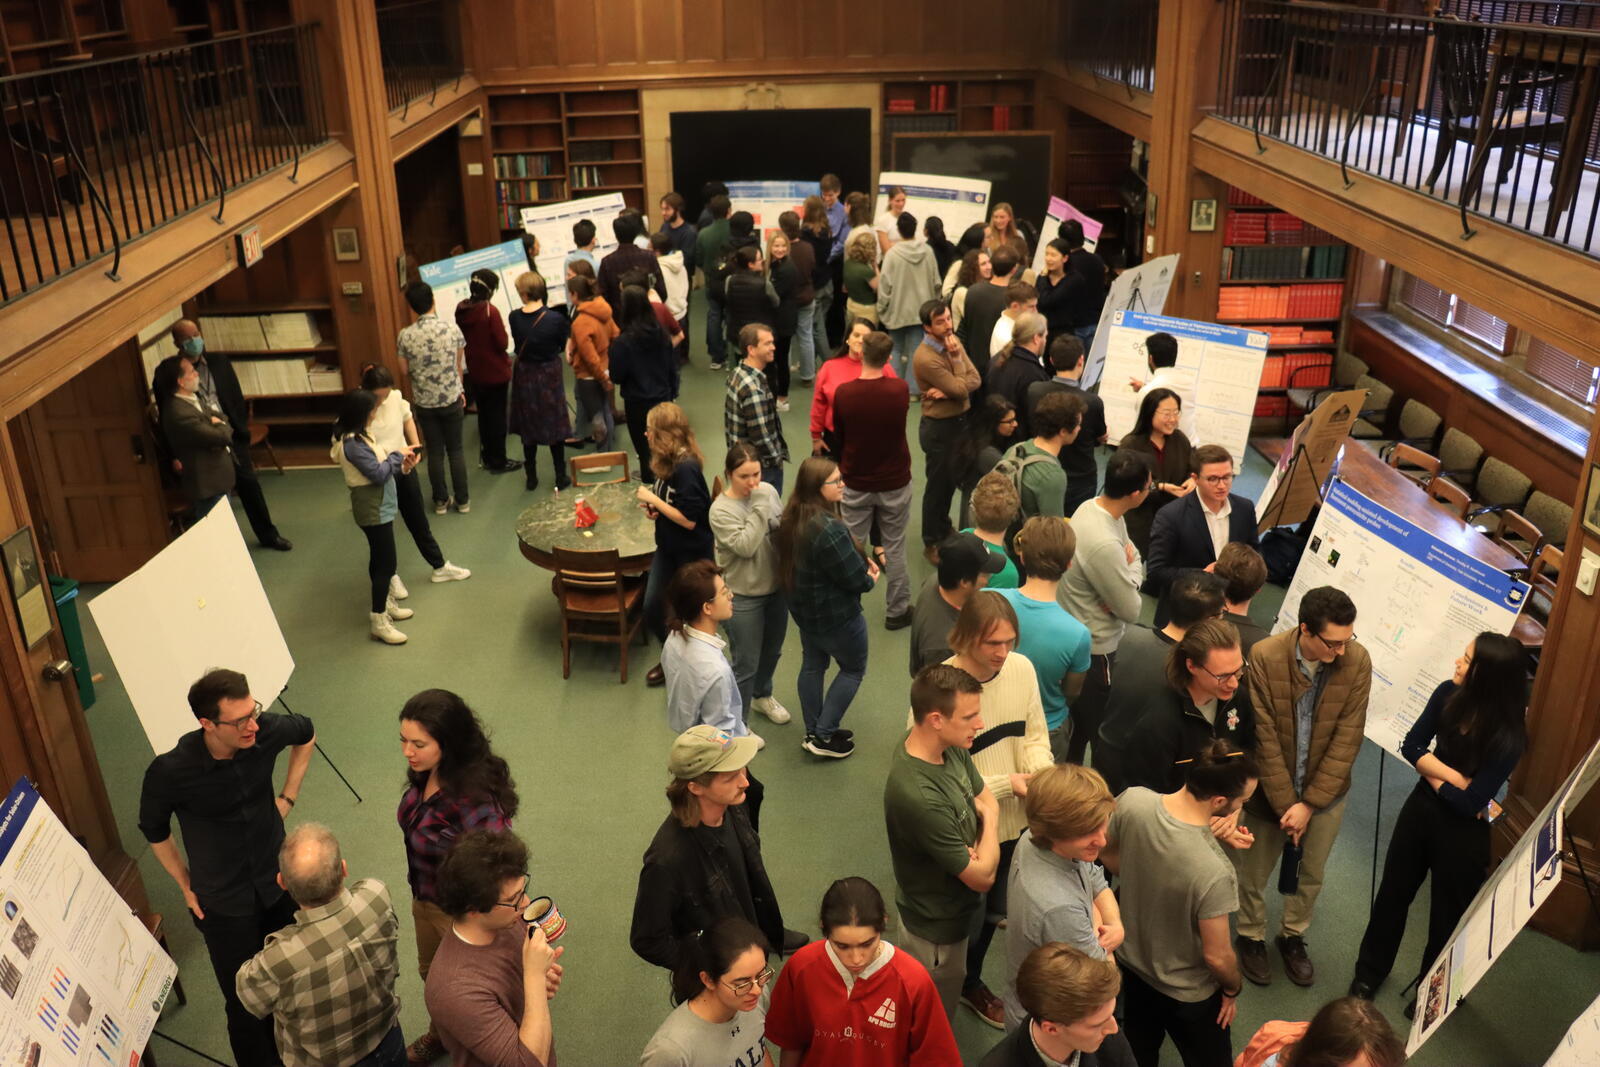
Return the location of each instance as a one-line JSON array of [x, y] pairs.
[[65, 591]]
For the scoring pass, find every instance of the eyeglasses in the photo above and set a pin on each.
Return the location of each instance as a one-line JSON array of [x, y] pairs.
[[837, 479], [1009, 420], [515, 903], [1232, 676], [255, 713], [1218, 479], [743, 986], [1335, 646]]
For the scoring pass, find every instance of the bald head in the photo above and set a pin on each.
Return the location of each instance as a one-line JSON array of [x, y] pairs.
[[310, 865], [184, 329]]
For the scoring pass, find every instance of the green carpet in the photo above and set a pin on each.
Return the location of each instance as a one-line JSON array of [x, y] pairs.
[[589, 757]]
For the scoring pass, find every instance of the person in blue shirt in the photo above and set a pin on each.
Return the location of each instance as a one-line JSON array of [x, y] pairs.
[[1055, 643]]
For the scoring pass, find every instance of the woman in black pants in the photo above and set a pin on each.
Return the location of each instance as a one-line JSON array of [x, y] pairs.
[[643, 368], [1443, 829]]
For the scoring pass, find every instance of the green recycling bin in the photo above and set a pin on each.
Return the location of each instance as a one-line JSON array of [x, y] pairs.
[[65, 591]]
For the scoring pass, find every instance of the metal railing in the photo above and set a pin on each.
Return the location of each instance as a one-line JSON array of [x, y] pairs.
[[1117, 46], [1494, 118], [96, 154], [421, 47]]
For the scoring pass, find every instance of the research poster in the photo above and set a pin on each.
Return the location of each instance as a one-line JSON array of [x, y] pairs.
[[552, 225], [81, 980], [959, 202], [451, 277], [767, 200], [1142, 289], [1218, 373], [1057, 213], [1418, 601], [1581, 1045]]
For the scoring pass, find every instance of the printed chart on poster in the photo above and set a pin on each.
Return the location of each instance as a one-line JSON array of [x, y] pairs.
[[1519, 885], [1142, 289], [1418, 602], [552, 225], [451, 277], [1219, 371], [958, 202], [1581, 1045], [81, 979], [1057, 213], [767, 200]]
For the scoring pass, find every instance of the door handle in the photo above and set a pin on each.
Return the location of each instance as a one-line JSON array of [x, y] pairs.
[[58, 670], [137, 442]]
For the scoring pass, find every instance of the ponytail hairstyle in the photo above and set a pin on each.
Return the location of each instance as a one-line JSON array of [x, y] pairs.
[[1219, 770], [483, 284], [375, 376], [852, 901], [712, 954], [1489, 707], [688, 591]]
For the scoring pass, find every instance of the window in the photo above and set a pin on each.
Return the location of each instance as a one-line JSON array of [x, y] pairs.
[[1454, 313], [1561, 371]]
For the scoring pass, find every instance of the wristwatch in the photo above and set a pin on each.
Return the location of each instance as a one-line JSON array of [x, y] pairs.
[[285, 796]]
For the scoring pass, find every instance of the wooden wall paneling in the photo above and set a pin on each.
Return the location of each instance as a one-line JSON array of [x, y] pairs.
[[477, 190], [661, 33], [820, 30], [741, 30], [432, 213], [617, 32], [576, 34], [702, 30], [780, 29]]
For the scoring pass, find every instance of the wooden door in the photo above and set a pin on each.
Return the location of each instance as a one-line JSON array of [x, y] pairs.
[[95, 483]]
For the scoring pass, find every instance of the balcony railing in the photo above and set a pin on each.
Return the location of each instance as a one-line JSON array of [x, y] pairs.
[[96, 154], [1117, 45], [1496, 118], [421, 46]]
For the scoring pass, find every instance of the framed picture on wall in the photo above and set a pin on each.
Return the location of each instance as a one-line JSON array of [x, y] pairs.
[[346, 244], [1202, 216], [1591, 501], [29, 594]]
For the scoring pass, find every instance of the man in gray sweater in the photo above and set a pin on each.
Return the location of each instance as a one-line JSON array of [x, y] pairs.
[[1101, 589]]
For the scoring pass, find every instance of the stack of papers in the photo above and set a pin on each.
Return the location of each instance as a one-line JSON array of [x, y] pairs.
[[233, 333], [290, 330]]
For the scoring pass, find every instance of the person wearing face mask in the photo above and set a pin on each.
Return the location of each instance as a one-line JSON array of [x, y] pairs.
[[1071, 999], [219, 394], [200, 441], [1168, 454], [721, 998], [853, 982]]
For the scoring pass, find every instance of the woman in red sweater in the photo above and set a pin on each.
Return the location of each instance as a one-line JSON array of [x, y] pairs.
[[488, 368], [852, 999], [845, 366]]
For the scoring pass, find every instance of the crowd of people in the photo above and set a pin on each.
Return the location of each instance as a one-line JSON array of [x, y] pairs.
[[1116, 796]]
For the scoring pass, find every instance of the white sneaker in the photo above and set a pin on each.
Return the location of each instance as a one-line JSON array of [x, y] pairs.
[[774, 711], [783, 405], [383, 630], [451, 573], [397, 588], [396, 612], [462, 509], [761, 742], [440, 509]]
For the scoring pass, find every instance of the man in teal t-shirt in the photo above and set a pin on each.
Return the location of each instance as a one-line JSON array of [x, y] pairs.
[[1053, 641]]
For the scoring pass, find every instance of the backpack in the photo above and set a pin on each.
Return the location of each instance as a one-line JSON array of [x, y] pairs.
[[1014, 462], [721, 267]]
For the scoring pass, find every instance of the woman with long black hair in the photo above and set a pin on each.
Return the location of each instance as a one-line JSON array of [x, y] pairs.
[[1474, 721], [1167, 452], [643, 367], [454, 784], [721, 1007], [990, 430], [488, 368]]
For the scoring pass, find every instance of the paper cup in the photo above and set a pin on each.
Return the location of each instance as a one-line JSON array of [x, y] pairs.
[[544, 914]]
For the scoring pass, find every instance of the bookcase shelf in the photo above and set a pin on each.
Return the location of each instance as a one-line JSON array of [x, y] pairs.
[[541, 140], [952, 105]]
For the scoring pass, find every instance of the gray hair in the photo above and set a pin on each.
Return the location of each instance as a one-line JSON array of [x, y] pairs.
[[311, 865]]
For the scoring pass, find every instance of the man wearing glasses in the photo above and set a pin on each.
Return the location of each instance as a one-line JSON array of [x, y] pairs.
[[218, 781], [1309, 688], [1190, 532]]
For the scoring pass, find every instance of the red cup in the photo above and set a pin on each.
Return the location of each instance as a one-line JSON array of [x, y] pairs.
[[543, 913]]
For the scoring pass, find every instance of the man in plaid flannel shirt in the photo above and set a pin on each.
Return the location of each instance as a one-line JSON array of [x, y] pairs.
[[750, 411], [328, 979]]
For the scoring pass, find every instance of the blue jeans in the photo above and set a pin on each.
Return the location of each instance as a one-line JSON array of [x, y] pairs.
[[391, 1051], [755, 638], [716, 347], [906, 339], [773, 476], [819, 327], [662, 567], [846, 646], [1086, 335], [805, 341]]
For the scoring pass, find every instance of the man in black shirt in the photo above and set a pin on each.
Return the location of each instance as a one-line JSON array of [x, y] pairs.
[[1077, 456], [1086, 284], [986, 302], [218, 781]]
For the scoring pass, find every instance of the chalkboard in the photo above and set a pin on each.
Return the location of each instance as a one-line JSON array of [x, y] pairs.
[[791, 144], [1016, 163]]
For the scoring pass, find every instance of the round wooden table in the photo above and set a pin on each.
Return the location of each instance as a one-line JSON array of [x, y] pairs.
[[622, 525]]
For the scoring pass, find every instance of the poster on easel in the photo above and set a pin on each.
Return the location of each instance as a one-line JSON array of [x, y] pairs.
[[81, 979], [1296, 483], [451, 278], [1058, 212], [1580, 1046], [1217, 374], [552, 225], [1419, 602], [958, 202], [1143, 289], [767, 200]]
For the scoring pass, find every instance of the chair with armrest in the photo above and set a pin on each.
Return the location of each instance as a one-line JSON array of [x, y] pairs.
[[1529, 629], [1347, 370], [1419, 426], [597, 603], [1552, 516], [1372, 426], [1518, 536], [1501, 487], [1449, 496], [1413, 463], [1460, 456]]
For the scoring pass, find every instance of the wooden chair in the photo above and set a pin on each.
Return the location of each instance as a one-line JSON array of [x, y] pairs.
[[1518, 536], [1456, 500], [1552, 516], [597, 603], [1529, 629], [600, 461], [258, 434], [1414, 463], [1374, 420]]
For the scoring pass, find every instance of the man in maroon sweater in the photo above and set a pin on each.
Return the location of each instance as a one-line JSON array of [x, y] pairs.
[[869, 417]]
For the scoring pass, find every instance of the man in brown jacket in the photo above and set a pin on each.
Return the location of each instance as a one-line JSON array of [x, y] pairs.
[[1309, 689], [947, 379]]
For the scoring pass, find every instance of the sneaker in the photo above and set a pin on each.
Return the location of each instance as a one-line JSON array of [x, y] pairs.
[[1253, 963], [794, 365], [451, 573], [440, 509], [985, 1005], [383, 630], [462, 509], [1296, 962], [783, 404], [835, 747], [897, 622], [424, 1050], [716, 364], [848, 735], [397, 588], [774, 711], [396, 612], [761, 742]]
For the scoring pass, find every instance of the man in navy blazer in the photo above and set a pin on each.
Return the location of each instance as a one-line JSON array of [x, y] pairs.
[[1189, 532]]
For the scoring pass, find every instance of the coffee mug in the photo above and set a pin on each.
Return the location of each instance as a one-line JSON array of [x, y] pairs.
[[544, 914]]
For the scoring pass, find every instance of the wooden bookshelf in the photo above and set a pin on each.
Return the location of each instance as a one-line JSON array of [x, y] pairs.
[[555, 146], [950, 105]]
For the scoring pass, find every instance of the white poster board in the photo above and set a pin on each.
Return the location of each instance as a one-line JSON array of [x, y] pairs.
[[1418, 602], [198, 604], [1581, 1045], [552, 225], [81, 979], [767, 200], [1057, 213], [1143, 289], [959, 202], [1217, 375], [451, 278]]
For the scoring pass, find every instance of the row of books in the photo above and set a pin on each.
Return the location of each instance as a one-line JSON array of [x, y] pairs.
[[260, 333], [1271, 228], [288, 377], [1295, 335], [938, 100], [1241, 303], [1245, 264], [1307, 370], [1240, 198], [587, 177], [920, 124], [528, 192], [526, 165], [1000, 117]]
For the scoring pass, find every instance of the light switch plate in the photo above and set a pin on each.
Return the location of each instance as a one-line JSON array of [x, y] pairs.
[[1588, 570], [352, 288], [474, 170]]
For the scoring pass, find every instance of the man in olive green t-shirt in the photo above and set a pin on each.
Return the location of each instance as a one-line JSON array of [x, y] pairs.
[[943, 826]]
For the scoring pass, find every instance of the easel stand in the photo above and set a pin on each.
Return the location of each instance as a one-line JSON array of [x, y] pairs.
[[1377, 826], [325, 756], [187, 1048], [1300, 465]]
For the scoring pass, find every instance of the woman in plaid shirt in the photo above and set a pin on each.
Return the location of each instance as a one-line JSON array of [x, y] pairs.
[[454, 784]]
